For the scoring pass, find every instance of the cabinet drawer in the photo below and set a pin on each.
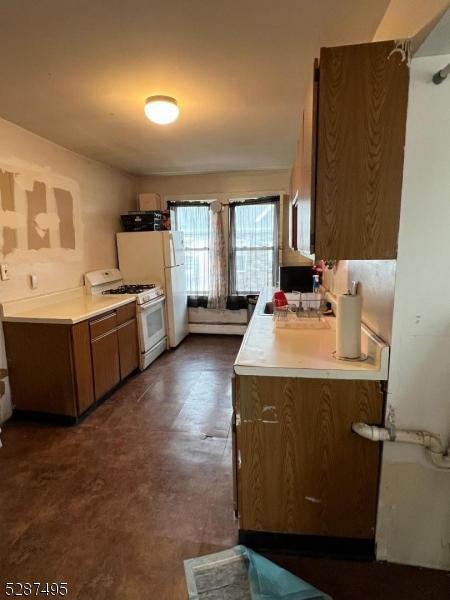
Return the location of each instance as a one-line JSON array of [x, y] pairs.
[[126, 313], [102, 325]]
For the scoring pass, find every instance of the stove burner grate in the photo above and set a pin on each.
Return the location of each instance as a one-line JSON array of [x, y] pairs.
[[130, 288]]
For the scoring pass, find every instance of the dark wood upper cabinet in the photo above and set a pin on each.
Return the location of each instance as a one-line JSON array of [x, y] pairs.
[[303, 178], [315, 118], [348, 171], [363, 91]]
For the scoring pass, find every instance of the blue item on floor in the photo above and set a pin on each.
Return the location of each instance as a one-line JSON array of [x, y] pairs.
[[242, 574]]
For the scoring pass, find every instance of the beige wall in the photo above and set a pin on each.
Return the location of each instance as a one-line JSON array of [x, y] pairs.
[[414, 508], [226, 185], [405, 18], [229, 184], [413, 524], [99, 194]]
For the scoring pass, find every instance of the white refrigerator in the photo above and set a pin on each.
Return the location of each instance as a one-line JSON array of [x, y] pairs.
[[158, 256]]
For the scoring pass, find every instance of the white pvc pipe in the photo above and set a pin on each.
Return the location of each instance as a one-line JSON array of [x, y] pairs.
[[430, 441], [445, 71]]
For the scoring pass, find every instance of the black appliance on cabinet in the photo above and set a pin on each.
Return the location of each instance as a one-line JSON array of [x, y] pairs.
[[296, 279]]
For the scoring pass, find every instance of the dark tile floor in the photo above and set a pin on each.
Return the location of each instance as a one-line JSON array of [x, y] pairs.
[[114, 505]]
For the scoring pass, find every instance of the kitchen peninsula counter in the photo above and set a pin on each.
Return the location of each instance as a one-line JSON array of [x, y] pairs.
[[307, 352], [302, 476]]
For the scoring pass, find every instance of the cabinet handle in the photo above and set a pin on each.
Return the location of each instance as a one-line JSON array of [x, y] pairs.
[[100, 319], [125, 324]]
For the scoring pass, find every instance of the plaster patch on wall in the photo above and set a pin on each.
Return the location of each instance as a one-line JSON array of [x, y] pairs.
[[39, 215], [9, 236], [46, 222], [64, 207], [37, 204], [12, 219]]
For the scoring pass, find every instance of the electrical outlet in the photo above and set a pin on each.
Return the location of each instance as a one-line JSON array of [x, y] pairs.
[[34, 281], [4, 272]]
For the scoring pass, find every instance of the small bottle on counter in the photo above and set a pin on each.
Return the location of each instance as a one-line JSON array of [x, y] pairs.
[[316, 284]]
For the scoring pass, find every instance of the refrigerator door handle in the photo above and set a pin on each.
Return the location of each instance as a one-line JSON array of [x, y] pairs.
[[172, 251]]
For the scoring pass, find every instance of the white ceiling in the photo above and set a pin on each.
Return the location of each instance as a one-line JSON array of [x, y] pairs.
[[78, 71]]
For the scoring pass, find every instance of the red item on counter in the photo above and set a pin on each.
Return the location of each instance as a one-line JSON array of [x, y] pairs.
[[279, 299]]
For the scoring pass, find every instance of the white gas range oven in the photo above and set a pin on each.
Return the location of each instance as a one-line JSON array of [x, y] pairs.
[[150, 309]]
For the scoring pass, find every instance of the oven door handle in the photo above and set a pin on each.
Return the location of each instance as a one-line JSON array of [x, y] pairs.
[[151, 303]]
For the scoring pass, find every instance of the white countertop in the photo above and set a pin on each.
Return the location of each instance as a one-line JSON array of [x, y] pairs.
[[308, 352], [67, 307]]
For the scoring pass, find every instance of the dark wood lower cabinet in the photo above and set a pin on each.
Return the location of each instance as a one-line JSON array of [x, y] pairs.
[[105, 363], [82, 363], [234, 446], [62, 370], [128, 348], [300, 468], [40, 367]]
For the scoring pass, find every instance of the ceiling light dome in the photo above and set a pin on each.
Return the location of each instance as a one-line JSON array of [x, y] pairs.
[[161, 109]]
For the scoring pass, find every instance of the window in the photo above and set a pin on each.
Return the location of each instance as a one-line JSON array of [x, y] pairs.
[[193, 219], [253, 245]]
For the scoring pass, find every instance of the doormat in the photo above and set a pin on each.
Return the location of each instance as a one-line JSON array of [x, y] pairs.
[[241, 574]]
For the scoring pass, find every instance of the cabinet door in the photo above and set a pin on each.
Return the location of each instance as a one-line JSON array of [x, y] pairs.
[[234, 453], [105, 362], [293, 221], [82, 362], [40, 367], [313, 175], [361, 134], [306, 211], [302, 469], [128, 348]]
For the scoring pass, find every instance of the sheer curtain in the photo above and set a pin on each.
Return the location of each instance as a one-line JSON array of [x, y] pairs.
[[217, 297], [253, 245], [192, 218]]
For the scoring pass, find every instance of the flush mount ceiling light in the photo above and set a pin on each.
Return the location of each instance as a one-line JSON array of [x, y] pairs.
[[161, 109]]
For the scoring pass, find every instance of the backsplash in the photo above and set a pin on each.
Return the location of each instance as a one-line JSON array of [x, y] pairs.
[[376, 280]]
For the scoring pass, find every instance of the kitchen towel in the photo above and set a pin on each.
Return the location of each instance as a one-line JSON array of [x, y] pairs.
[[348, 326]]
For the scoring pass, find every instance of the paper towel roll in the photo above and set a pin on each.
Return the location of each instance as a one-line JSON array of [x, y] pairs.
[[348, 326]]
